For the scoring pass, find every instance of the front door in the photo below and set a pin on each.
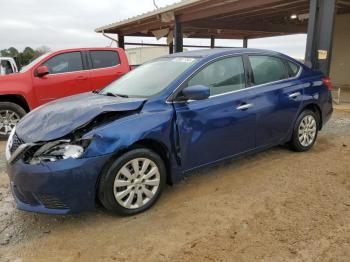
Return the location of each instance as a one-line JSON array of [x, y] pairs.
[[222, 125], [67, 77]]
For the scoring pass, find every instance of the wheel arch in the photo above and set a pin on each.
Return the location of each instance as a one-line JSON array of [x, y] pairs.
[[159, 148], [16, 99], [316, 109], [152, 144]]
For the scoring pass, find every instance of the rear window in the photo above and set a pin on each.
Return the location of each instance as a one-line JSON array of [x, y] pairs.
[[103, 59], [267, 69], [6, 65]]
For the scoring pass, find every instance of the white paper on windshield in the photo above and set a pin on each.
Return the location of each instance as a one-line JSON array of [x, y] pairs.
[[183, 59]]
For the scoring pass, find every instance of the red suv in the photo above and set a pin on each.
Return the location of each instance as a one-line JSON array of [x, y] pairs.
[[56, 75]]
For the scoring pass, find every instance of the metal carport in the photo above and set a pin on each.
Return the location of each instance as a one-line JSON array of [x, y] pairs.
[[240, 19]]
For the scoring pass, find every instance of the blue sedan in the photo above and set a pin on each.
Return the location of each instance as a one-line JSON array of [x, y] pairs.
[[119, 146]]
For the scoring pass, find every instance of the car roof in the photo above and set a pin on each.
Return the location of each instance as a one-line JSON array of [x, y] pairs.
[[77, 49], [221, 51]]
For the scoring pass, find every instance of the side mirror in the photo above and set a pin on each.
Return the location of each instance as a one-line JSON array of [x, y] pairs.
[[42, 71], [197, 92]]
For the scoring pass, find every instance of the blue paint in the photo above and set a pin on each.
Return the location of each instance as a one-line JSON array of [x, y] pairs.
[[194, 134]]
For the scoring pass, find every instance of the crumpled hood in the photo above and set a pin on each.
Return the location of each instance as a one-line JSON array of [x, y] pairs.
[[59, 118]]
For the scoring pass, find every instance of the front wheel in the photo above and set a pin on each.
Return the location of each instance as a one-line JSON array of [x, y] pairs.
[[10, 114], [305, 131], [133, 182]]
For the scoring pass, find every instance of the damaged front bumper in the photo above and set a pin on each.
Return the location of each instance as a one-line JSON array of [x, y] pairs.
[[61, 187]]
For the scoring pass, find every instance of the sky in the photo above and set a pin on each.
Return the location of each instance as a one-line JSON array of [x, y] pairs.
[[62, 24]]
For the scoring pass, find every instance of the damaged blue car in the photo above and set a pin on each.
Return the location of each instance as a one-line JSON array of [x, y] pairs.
[[118, 147]]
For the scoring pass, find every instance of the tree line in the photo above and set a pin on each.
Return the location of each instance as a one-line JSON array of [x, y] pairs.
[[26, 56]]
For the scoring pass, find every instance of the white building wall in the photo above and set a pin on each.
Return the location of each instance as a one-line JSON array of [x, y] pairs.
[[140, 55], [340, 66]]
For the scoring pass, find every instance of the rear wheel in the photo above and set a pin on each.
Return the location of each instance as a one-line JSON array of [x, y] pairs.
[[10, 114], [305, 131], [133, 182]]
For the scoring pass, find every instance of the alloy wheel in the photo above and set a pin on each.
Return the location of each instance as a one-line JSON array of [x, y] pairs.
[[136, 183], [307, 130], [8, 120]]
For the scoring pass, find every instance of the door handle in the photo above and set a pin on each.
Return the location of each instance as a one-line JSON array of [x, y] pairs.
[[294, 95], [81, 78], [245, 107]]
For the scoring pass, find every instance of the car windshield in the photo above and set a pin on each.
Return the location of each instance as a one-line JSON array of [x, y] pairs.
[[25, 68], [150, 78]]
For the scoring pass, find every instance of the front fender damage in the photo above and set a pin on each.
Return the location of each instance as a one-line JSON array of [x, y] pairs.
[[30, 151]]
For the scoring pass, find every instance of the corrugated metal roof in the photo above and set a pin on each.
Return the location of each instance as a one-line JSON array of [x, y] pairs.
[[227, 19], [173, 7]]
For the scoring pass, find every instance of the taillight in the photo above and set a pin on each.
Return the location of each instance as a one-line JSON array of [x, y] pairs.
[[328, 83]]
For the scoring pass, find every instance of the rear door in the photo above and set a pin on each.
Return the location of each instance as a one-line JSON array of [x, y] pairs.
[[105, 67], [278, 97], [67, 76], [222, 125]]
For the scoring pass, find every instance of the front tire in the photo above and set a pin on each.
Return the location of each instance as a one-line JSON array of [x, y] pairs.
[[10, 114], [305, 131], [133, 182]]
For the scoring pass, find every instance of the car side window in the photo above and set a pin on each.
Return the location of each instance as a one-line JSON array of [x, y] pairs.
[[6, 65], [294, 69], [222, 76], [63, 63], [267, 69], [103, 59]]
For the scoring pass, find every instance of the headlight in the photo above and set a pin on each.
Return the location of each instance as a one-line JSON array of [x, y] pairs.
[[9, 144], [66, 151], [53, 151]]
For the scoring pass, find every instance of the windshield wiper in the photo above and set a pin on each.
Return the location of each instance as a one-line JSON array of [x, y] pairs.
[[116, 95], [110, 94], [124, 96]]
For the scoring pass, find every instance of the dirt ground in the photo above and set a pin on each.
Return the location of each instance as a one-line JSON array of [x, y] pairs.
[[273, 206]]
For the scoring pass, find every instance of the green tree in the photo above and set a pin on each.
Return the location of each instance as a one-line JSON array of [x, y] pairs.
[[4, 52], [13, 51], [27, 56]]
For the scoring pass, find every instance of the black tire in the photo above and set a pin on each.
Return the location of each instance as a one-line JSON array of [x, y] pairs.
[[18, 110], [295, 143], [110, 172]]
